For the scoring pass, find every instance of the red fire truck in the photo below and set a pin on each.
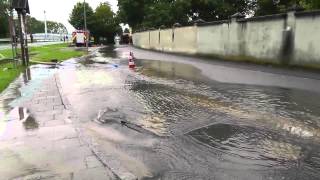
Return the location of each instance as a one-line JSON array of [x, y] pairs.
[[80, 38]]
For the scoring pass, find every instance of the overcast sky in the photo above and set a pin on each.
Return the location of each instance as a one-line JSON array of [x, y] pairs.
[[59, 10]]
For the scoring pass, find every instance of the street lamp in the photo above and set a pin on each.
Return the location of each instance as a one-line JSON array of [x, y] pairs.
[[45, 26]]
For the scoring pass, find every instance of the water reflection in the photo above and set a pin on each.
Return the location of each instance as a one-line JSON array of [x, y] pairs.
[[25, 117], [15, 119], [169, 70], [30, 123], [250, 143], [26, 75]]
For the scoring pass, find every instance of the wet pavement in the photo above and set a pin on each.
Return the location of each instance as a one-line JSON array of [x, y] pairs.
[[173, 117], [38, 139]]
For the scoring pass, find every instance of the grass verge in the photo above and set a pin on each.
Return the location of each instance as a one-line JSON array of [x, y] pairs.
[[59, 52], [46, 53], [8, 73]]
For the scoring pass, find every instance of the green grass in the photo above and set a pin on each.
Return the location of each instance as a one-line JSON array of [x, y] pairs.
[[7, 53], [8, 73], [46, 53], [59, 52]]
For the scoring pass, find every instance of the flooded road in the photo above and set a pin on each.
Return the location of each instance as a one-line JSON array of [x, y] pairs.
[[169, 120], [181, 119]]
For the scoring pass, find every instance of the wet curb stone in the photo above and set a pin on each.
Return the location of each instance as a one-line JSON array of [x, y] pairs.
[[108, 160]]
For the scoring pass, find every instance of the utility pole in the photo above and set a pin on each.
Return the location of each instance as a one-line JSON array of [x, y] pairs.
[[45, 26], [85, 25]]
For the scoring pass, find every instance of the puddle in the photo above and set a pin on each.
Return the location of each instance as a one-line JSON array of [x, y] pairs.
[[258, 147], [169, 70], [17, 123], [249, 143]]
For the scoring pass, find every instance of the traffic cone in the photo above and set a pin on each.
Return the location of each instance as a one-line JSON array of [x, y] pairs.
[[131, 61]]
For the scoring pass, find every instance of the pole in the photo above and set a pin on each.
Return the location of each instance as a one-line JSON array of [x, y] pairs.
[[13, 38], [45, 26], [21, 39], [85, 24], [24, 21]]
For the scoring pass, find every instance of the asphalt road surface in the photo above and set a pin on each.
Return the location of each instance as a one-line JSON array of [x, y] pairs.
[[177, 117]]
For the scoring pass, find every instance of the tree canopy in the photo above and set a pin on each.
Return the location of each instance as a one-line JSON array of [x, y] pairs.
[[36, 26], [4, 30], [155, 13], [105, 23], [264, 7], [102, 22], [33, 25], [77, 16]]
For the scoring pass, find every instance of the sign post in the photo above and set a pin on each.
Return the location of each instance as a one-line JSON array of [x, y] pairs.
[[22, 8], [13, 38]]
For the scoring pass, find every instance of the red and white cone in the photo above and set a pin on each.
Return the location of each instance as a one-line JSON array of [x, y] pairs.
[[131, 61]]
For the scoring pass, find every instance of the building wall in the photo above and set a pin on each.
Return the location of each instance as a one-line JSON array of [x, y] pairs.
[[286, 38]]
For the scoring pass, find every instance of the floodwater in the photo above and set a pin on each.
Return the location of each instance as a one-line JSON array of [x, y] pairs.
[[16, 120], [168, 120]]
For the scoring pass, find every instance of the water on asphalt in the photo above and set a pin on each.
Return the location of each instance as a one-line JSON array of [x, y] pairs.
[[167, 120]]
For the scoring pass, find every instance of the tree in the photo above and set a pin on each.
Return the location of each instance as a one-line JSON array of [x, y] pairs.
[[57, 28], [35, 26], [132, 11], [154, 13], [265, 7], [77, 16], [4, 30], [157, 14], [310, 4], [103, 24]]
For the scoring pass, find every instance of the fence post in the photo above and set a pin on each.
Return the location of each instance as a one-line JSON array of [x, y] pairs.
[[235, 37]]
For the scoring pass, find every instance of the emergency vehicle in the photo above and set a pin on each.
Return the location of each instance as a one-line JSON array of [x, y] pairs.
[[80, 37]]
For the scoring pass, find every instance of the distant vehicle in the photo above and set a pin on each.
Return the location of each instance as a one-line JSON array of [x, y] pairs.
[[80, 37], [117, 40]]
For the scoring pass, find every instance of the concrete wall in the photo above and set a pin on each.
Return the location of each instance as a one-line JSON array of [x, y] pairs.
[[292, 38], [166, 43], [262, 39], [213, 39], [185, 40], [141, 40], [307, 39], [154, 39]]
